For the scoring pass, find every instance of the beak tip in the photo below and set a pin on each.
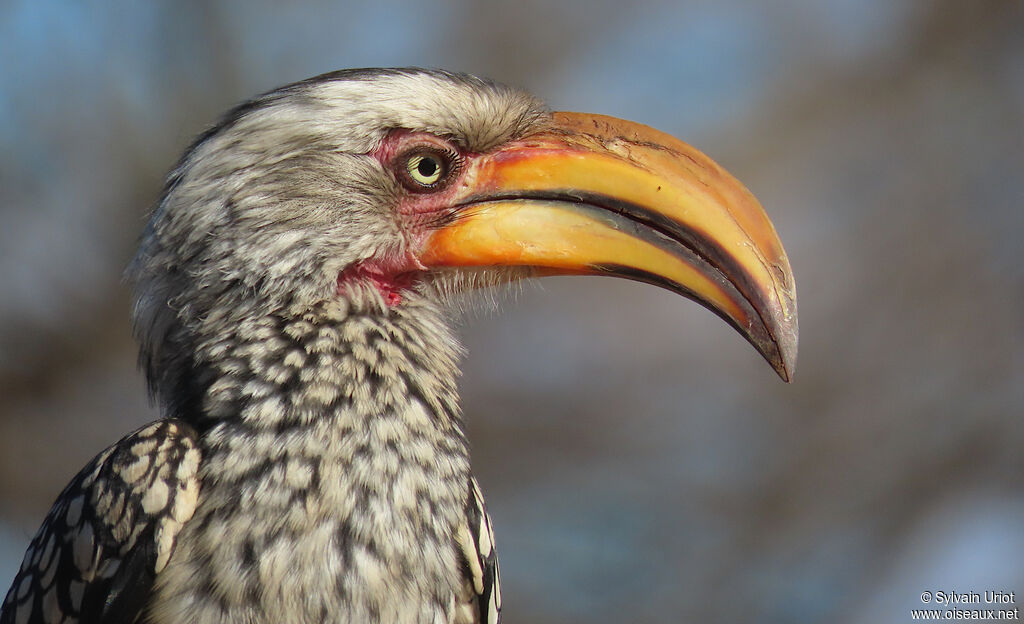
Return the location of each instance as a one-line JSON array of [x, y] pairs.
[[785, 354], [786, 364], [783, 326]]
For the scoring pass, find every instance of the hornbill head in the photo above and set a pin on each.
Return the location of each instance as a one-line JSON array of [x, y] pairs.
[[388, 187]]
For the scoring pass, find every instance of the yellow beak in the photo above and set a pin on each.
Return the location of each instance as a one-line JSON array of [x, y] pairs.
[[599, 195]]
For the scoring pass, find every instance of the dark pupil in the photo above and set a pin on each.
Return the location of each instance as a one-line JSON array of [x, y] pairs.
[[427, 167]]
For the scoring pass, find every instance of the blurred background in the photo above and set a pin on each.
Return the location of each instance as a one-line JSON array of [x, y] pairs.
[[640, 461]]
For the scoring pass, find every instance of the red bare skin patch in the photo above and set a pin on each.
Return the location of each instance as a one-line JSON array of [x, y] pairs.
[[390, 284]]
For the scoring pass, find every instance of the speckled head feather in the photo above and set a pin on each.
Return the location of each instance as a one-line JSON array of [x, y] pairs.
[[270, 205]]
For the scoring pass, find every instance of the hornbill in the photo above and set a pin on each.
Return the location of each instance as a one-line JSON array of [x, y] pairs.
[[290, 298]]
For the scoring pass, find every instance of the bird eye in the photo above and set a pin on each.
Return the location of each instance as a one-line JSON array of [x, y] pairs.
[[424, 170]]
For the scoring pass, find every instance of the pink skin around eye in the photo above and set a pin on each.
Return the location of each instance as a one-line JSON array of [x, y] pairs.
[[420, 208], [393, 275]]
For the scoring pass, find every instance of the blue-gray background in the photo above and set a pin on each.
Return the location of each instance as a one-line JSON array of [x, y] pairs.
[[641, 462]]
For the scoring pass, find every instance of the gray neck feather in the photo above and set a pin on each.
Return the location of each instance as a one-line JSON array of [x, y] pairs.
[[346, 354], [337, 429]]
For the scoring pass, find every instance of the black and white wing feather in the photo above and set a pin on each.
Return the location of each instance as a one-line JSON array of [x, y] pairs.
[[110, 532], [476, 542]]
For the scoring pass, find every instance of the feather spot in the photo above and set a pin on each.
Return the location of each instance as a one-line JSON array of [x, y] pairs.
[[295, 358], [47, 554], [23, 613], [109, 568], [298, 474], [26, 585], [51, 608], [464, 540], [74, 512], [76, 589], [134, 471], [144, 447], [189, 464], [155, 498], [103, 503], [185, 502], [492, 610], [164, 545], [485, 539], [83, 548], [48, 572]]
